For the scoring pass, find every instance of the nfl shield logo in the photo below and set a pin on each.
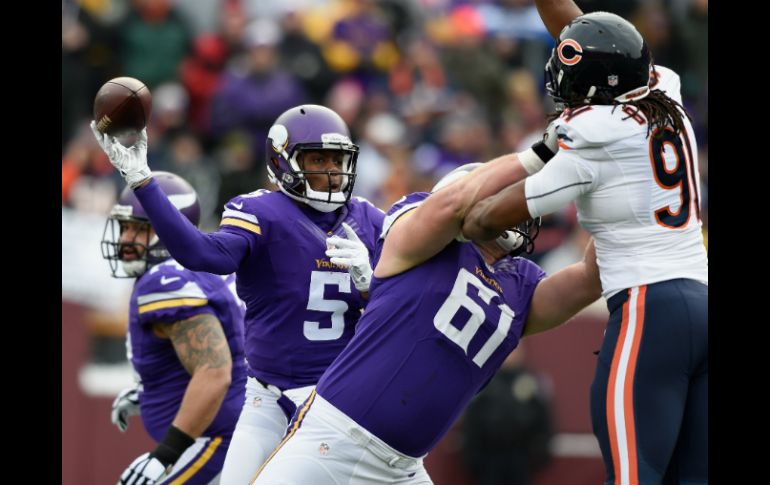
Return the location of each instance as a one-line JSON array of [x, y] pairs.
[[612, 80]]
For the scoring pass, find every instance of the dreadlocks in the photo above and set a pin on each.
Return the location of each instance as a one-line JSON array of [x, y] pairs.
[[660, 111]]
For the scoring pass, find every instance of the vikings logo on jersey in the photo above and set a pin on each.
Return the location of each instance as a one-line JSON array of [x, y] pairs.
[[304, 308], [458, 319]]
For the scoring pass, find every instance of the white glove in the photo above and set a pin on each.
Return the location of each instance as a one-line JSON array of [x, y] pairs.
[[130, 162], [352, 254], [534, 159], [550, 138], [145, 470], [125, 405]]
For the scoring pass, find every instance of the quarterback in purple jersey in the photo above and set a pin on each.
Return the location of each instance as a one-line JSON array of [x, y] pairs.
[[302, 257], [443, 316], [185, 343]]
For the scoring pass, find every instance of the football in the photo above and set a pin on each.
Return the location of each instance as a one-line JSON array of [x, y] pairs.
[[122, 105]]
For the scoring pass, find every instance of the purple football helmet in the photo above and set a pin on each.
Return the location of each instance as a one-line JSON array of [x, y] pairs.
[[309, 127], [128, 209]]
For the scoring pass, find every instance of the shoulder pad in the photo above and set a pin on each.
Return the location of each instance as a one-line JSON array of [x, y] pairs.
[[242, 210], [401, 207], [168, 285], [597, 125], [363, 200], [667, 81]]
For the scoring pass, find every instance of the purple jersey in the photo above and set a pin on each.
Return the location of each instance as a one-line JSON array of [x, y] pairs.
[[302, 309], [168, 293], [430, 339]]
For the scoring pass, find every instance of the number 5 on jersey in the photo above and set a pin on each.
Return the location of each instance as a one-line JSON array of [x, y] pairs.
[[316, 301]]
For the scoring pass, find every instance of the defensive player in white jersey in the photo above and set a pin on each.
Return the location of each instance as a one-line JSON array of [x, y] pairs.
[[628, 157], [301, 256]]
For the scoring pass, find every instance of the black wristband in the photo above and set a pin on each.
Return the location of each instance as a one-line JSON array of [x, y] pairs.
[[542, 151], [172, 446]]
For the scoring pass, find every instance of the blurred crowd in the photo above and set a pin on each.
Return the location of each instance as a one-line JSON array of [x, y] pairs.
[[425, 85]]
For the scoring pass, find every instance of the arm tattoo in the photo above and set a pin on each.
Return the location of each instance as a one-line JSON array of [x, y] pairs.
[[200, 341]]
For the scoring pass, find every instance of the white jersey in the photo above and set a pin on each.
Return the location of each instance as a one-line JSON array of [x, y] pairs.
[[638, 196]]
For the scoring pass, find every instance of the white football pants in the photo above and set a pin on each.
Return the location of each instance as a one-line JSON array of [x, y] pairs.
[[259, 430], [326, 447]]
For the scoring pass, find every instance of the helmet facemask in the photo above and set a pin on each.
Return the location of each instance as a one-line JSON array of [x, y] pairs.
[[145, 245], [326, 200], [310, 128], [521, 238], [561, 85], [552, 82]]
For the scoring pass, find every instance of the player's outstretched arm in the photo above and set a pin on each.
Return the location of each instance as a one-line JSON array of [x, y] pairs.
[[219, 253], [560, 296], [488, 217], [557, 13], [421, 233]]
